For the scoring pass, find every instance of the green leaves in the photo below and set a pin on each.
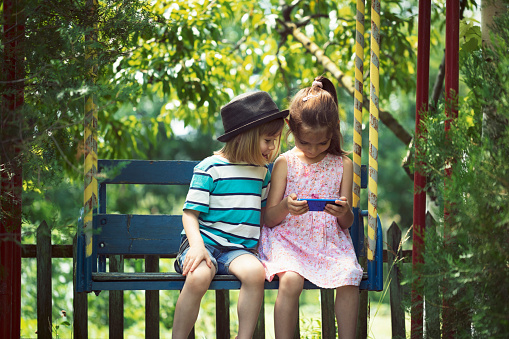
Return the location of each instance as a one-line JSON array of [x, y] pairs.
[[470, 38]]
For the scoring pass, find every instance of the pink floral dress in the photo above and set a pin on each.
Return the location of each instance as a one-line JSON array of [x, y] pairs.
[[312, 245]]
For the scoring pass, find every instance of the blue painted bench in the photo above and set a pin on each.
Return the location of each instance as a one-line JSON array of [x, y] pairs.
[[158, 236], [141, 235]]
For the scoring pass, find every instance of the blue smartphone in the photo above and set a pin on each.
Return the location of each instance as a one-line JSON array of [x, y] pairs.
[[319, 204]]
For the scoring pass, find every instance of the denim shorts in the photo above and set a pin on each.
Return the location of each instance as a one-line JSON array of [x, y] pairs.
[[220, 257]]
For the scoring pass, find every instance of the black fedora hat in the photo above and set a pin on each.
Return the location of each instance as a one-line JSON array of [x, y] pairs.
[[246, 111]]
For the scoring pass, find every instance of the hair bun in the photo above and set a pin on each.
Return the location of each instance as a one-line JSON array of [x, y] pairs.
[[317, 83]]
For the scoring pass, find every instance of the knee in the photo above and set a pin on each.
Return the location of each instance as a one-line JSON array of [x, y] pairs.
[[248, 269], [254, 276], [259, 273], [199, 281], [291, 283]]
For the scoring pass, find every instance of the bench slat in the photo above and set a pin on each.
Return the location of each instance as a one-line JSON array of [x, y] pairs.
[[172, 281], [153, 172], [169, 281], [138, 234], [151, 276]]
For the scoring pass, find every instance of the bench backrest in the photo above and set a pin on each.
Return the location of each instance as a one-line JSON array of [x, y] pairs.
[[132, 234]]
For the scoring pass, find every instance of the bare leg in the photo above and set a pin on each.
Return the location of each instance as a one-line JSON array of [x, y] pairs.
[[346, 308], [188, 303], [249, 270], [286, 309]]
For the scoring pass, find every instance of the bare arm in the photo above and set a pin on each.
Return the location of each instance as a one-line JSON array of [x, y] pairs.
[[197, 252], [343, 212], [277, 206]]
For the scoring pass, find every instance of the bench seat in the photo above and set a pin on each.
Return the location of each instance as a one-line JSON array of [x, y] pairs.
[[175, 281]]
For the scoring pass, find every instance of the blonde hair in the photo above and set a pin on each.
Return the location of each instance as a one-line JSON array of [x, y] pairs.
[[245, 147], [317, 106]]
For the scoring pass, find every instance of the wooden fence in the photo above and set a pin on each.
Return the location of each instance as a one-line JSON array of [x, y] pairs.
[[44, 251]]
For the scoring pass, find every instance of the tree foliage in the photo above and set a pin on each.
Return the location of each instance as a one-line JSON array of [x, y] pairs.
[[163, 61]]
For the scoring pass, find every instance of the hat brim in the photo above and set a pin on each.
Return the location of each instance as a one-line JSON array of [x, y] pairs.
[[227, 136]]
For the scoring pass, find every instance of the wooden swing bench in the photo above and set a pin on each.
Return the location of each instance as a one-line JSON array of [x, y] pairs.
[[158, 236]]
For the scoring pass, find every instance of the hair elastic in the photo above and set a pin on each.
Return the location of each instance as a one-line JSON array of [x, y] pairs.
[[306, 98], [317, 83]]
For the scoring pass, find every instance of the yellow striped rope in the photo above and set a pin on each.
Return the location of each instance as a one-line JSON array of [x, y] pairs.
[[90, 197], [373, 127], [90, 192], [357, 134]]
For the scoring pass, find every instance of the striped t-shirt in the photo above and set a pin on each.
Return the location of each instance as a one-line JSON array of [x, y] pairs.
[[229, 197]]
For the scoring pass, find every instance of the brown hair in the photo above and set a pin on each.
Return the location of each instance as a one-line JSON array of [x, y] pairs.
[[245, 147], [317, 106]]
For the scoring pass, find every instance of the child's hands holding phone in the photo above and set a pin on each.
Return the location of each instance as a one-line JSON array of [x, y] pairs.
[[295, 206], [339, 208]]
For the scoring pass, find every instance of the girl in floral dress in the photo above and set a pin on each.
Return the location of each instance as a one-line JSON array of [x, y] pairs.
[[296, 244]]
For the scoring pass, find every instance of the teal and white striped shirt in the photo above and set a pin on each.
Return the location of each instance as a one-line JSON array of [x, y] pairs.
[[229, 197]]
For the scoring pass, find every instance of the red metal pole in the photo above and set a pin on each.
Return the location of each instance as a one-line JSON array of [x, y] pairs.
[[419, 212], [452, 46], [452, 22], [11, 177]]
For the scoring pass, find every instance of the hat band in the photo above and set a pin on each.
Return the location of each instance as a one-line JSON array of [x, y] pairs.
[[253, 119]]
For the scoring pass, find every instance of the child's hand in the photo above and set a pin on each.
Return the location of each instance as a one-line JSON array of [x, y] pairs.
[[296, 207], [341, 208], [194, 256]]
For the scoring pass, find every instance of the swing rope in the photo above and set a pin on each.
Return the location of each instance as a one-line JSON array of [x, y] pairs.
[[373, 127]]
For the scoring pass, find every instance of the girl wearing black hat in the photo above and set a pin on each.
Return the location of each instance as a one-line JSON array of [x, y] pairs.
[[223, 210]]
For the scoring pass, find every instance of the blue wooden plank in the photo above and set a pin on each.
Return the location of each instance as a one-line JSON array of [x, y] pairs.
[[138, 234], [80, 273], [101, 202], [364, 176], [148, 172], [378, 283], [178, 285], [355, 232]]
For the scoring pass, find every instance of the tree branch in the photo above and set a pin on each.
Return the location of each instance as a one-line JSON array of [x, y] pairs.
[[343, 81], [438, 87]]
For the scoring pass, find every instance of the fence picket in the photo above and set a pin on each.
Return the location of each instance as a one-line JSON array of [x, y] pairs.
[[393, 256], [362, 320], [152, 301], [79, 302], [432, 300], [44, 290], [328, 316], [116, 301]]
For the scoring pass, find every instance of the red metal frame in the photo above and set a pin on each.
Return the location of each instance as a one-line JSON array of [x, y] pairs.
[[419, 211], [451, 93], [452, 21], [11, 181]]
